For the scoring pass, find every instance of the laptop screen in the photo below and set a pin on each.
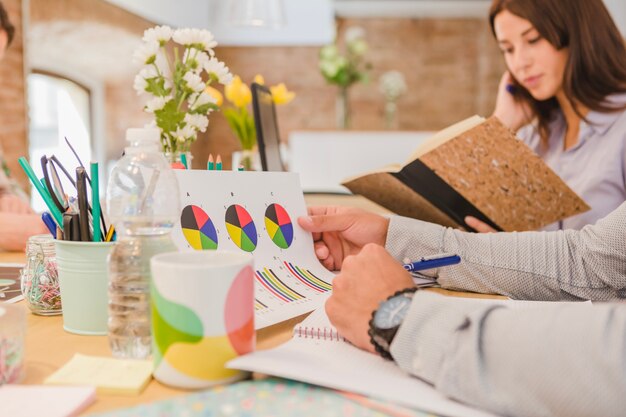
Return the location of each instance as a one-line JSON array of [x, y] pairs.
[[266, 128]]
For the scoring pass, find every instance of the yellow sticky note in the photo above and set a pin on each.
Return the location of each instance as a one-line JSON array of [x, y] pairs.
[[108, 375]]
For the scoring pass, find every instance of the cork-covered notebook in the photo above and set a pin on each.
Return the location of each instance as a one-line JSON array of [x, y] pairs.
[[477, 168]]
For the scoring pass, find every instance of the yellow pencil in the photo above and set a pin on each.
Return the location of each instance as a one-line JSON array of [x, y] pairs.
[[109, 235]]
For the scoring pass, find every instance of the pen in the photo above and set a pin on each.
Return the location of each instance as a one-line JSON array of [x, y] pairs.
[[95, 202], [56, 213], [49, 222], [431, 262], [210, 163], [218, 163], [83, 205]]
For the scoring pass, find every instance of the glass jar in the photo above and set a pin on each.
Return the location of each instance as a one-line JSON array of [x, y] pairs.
[[40, 281]]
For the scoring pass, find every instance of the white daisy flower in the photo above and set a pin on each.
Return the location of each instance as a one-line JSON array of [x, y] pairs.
[[157, 103], [140, 84], [196, 59], [184, 133], [159, 34], [217, 70], [202, 39], [148, 72], [146, 53], [354, 33], [197, 121], [197, 100], [194, 82]]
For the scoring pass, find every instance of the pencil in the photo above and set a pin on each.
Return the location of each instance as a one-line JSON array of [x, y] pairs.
[[95, 202], [210, 164], [218, 163], [109, 235]]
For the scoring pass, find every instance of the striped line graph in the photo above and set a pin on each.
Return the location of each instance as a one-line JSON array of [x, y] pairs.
[[270, 281], [308, 278]]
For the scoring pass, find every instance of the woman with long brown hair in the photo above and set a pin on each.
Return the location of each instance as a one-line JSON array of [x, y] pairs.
[[564, 93]]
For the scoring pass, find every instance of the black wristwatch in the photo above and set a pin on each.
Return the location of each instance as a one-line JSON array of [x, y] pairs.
[[386, 320]]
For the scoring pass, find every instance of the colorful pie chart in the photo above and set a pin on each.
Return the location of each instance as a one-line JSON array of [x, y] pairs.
[[278, 225], [241, 228], [198, 228]]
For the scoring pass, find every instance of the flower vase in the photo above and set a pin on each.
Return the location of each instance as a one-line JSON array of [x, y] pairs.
[[343, 108], [391, 115], [179, 159], [247, 159]]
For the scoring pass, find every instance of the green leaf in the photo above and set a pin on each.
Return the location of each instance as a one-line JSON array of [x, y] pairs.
[[169, 118], [156, 86]]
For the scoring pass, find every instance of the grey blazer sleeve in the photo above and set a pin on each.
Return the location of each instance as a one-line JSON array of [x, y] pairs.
[[564, 265], [559, 359]]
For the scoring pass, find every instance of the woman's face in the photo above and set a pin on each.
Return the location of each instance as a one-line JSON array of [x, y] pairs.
[[533, 61]]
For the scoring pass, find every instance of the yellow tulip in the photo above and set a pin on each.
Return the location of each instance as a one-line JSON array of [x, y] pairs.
[[219, 98], [238, 93], [281, 95], [259, 79]]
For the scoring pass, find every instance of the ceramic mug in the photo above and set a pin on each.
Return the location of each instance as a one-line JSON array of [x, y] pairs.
[[202, 307]]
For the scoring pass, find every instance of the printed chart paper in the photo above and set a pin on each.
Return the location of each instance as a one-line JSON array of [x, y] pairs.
[[256, 212]]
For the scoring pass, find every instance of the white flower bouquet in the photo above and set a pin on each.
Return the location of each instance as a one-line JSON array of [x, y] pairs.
[[178, 85]]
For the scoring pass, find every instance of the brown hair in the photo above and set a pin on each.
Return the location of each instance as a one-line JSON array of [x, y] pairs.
[[5, 24], [596, 66]]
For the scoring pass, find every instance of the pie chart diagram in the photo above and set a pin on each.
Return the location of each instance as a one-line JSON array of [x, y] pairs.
[[198, 228], [241, 228], [278, 225]]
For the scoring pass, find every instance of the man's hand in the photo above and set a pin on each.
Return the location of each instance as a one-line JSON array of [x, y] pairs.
[[365, 280], [10, 203], [339, 232]]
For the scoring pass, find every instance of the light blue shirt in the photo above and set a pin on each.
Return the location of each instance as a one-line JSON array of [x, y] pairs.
[[595, 168]]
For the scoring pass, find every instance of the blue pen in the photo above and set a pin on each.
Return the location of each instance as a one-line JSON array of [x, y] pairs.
[[49, 222], [430, 262]]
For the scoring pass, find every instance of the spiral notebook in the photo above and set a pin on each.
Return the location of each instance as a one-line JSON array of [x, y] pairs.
[[319, 355]]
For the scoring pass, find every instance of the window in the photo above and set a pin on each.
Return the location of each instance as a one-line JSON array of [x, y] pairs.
[[58, 108]]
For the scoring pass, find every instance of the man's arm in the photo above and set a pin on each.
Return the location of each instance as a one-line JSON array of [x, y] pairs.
[[565, 265], [554, 360]]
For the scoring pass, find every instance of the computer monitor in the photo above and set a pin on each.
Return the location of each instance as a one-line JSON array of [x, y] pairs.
[[266, 125]]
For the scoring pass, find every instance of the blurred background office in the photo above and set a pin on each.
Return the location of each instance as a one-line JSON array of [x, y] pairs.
[[70, 72]]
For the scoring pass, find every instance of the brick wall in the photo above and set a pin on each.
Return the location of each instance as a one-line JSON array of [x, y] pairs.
[[13, 126], [451, 66]]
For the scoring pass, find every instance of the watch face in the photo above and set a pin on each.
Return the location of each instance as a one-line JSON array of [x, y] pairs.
[[392, 312]]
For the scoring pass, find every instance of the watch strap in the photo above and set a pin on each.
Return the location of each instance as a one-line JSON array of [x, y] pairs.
[[381, 338]]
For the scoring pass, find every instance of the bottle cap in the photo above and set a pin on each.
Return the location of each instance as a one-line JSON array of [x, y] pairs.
[[144, 134]]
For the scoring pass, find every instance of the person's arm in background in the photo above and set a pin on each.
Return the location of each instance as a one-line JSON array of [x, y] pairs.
[[17, 222], [16, 228]]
